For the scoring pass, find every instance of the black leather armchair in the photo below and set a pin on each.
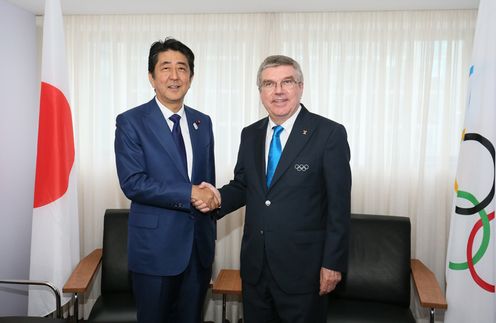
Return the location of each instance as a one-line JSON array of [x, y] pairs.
[[377, 285], [32, 319], [116, 303]]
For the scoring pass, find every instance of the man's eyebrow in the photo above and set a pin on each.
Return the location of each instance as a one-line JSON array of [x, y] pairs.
[[169, 62], [291, 77]]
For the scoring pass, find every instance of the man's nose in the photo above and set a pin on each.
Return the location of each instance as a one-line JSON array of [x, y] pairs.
[[278, 87], [174, 74]]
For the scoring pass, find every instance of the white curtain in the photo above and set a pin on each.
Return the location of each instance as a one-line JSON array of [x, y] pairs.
[[396, 80]]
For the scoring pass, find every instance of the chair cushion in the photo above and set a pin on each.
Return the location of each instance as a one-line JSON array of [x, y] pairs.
[[355, 311], [114, 307]]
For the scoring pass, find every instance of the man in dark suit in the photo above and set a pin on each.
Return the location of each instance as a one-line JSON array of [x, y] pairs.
[[294, 177], [162, 149]]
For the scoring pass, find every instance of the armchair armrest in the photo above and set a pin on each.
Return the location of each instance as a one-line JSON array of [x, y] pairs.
[[428, 290], [83, 274], [430, 294]]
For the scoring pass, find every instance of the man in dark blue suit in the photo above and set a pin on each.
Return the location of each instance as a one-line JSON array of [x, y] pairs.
[[294, 177], [163, 149]]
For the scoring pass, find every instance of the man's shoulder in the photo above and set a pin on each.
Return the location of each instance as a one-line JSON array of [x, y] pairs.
[[255, 128], [195, 113], [262, 123], [139, 110], [321, 121]]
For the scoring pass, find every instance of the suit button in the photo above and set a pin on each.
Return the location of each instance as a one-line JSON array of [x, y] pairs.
[[261, 232], [267, 203]]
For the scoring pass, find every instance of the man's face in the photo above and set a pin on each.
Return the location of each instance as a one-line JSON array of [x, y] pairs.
[[171, 79], [282, 100]]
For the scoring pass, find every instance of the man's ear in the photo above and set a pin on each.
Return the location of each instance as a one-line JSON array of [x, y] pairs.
[[151, 79]]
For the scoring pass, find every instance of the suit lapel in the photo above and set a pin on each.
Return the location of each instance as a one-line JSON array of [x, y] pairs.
[[195, 135], [302, 130], [159, 127], [260, 152]]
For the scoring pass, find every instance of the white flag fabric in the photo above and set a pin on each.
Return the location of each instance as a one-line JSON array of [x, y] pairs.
[[55, 227], [470, 263]]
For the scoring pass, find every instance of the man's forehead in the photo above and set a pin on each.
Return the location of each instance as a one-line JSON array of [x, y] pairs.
[[171, 56], [280, 69], [169, 61]]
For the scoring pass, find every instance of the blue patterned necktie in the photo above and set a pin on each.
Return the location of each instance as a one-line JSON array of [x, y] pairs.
[[275, 151], [178, 138]]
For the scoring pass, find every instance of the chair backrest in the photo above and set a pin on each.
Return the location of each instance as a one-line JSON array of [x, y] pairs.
[[115, 274], [379, 260]]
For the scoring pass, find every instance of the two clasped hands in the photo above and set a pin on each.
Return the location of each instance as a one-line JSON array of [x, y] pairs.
[[205, 197]]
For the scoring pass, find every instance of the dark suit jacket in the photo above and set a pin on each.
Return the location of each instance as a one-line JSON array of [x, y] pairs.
[[301, 222], [162, 222]]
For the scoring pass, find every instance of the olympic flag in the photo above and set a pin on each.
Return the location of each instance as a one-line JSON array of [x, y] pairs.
[[471, 266], [55, 228]]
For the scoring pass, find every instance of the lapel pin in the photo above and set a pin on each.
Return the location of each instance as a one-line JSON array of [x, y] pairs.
[[305, 131], [196, 124]]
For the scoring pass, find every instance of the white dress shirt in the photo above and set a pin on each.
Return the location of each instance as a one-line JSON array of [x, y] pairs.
[[184, 130], [287, 125]]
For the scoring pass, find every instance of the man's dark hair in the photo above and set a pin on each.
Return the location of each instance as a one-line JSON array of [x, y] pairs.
[[170, 43]]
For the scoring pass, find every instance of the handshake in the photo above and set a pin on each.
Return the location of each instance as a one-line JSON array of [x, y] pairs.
[[205, 197]]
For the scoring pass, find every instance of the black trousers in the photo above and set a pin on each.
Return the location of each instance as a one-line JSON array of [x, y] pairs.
[[266, 302]]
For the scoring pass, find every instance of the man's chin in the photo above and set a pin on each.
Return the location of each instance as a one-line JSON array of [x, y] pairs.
[[174, 97]]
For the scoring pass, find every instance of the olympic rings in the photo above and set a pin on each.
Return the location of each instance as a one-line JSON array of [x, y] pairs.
[[476, 208], [301, 167], [483, 222]]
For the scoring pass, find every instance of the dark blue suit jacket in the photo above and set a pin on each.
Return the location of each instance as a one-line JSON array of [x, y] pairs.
[[302, 221], [162, 221]]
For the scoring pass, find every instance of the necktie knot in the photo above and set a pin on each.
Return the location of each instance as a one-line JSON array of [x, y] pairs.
[[277, 131], [175, 118]]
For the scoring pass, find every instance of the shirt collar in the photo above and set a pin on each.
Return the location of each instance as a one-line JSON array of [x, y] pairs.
[[288, 124], [167, 112]]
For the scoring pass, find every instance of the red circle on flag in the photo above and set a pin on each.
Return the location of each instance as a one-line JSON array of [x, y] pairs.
[[55, 156]]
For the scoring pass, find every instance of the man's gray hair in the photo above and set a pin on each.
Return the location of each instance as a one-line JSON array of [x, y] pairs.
[[279, 60]]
